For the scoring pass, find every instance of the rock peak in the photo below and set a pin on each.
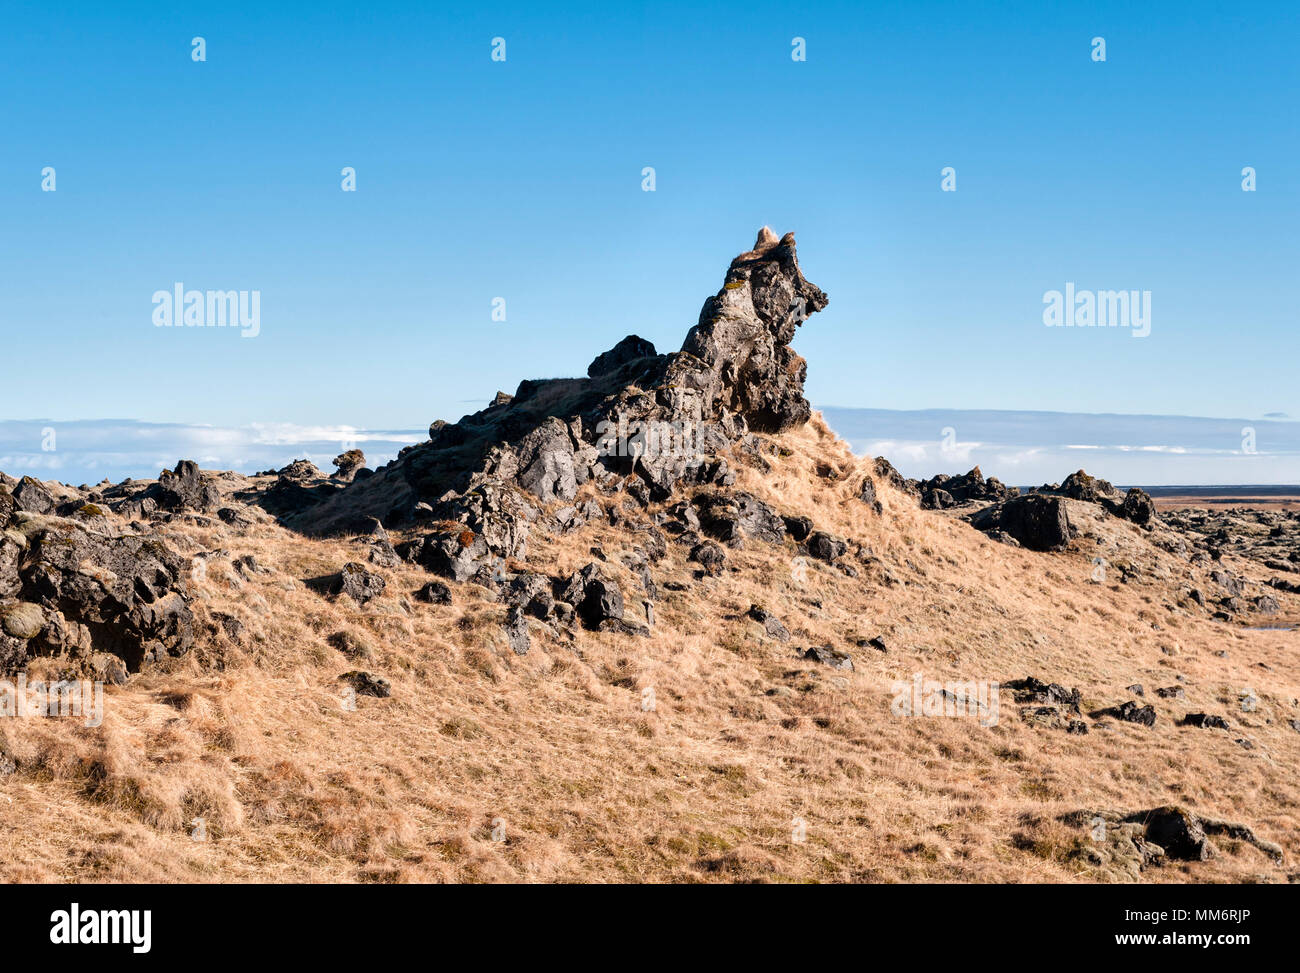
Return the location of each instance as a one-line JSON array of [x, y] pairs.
[[735, 375]]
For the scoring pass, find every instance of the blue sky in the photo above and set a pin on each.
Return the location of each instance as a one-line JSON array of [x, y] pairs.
[[522, 179]]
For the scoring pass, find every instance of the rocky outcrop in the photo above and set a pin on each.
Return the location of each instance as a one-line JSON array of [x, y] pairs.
[[595, 598], [357, 583], [1080, 486], [67, 589], [641, 422], [1136, 506], [186, 489], [731, 517], [348, 463], [1148, 837], [1040, 523], [943, 491], [630, 349]]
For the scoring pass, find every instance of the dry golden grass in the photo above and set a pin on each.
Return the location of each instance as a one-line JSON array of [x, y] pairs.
[[555, 751]]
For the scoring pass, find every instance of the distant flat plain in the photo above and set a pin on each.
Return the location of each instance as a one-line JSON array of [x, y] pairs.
[[1261, 497]]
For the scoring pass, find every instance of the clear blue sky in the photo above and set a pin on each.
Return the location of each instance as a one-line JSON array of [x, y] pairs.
[[522, 179]]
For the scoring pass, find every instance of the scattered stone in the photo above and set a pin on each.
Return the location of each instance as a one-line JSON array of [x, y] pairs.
[[709, 556], [1131, 712], [1038, 522], [517, 630], [771, 624], [348, 464], [828, 655], [368, 684], [1204, 721], [434, 593], [357, 583], [825, 547]]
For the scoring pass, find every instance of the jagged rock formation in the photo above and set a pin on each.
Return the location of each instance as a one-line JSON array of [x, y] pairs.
[[663, 419], [943, 491], [69, 586]]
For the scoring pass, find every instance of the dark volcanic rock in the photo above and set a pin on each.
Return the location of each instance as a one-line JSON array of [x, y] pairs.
[[517, 630], [744, 335], [886, 471], [709, 556], [937, 499], [828, 655], [456, 553], [631, 348], [348, 463], [1178, 832], [825, 547], [1131, 712], [434, 593], [594, 597], [531, 593], [732, 517], [867, 494], [943, 491], [32, 496], [1080, 486], [1137, 507], [663, 420], [1031, 690], [184, 488], [119, 595], [367, 683], [798, 527], [1205, 721], [1040, 523], [357, 583], [771, 624]]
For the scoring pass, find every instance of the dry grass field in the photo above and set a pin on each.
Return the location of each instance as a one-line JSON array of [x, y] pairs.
[[751, 764]]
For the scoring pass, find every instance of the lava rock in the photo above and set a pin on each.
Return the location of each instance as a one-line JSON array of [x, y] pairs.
[[630, 349], [771, 624], [826, 547], [357, 583], [368, 684], [1204, 721], [1036, 521], [828, 655]]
